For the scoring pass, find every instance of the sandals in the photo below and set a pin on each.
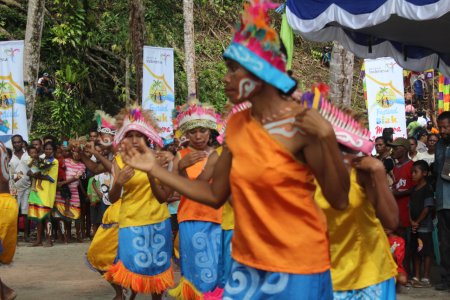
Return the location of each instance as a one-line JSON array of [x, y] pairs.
[[412, 282], [423, 283]]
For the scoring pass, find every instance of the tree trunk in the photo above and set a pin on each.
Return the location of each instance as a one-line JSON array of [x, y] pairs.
[[341, 75], [137, 30], [189, 46], [32, 47], [127, 80]]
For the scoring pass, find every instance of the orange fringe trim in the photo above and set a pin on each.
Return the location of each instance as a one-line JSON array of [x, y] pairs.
[[186, 291], [143, 284]]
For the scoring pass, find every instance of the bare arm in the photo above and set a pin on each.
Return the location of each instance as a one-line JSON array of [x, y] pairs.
[[94, 186], [323, 156], [31, 163], [398, 194], [124, 175], [214, 194], [423, 214], [92, 166], [208, 170], [373, 177]]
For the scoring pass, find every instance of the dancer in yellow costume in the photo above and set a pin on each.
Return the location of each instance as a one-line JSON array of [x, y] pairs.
[[103, 249], [143, 263], [362, 266], [41, 203], [9, 212]]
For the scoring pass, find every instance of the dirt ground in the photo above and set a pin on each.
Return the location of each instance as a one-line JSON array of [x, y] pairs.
[[60, 273]]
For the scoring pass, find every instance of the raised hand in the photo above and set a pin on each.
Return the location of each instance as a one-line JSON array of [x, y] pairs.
[[144, 161], [125, 175], [311, 122], [191, 159], [368, 164]]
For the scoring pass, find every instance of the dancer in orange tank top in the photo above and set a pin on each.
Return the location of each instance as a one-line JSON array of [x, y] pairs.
[[272, 153]]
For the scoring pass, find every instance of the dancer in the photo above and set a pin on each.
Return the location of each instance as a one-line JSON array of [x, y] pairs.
[[271, 154], [143, 261], [9, 212], [103, 249], [42, 201], [361, 261], [74, 170]]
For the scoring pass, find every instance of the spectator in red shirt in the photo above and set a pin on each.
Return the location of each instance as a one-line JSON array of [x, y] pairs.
[[398, 252], [401, 189]]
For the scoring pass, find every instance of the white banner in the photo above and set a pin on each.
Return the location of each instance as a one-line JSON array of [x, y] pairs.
[[13, 115], [158, 90], [385, 96]]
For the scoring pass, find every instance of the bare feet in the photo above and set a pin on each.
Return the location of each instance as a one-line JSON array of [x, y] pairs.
[[80, 240], [27, 239], [68, 213], [49, 244], [34, 189], [9, 293], [36, 244], [40, 187], [59, 241]]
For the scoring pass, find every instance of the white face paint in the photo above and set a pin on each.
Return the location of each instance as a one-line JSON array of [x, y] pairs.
[[49, 228], [183, 140], [4, 163], [106, 139], [127, 293], [247, 87], [63, 229]]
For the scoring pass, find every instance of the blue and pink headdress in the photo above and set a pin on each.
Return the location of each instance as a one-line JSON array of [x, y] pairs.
[[105, 123], [135, 118], [194, 114], [256, 45], [349, 132]]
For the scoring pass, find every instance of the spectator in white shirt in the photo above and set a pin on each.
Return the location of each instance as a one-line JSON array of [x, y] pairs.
[[19, 168]]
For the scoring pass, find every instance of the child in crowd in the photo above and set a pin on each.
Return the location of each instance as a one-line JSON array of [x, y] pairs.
[[398, 253], [33, 164], [65, 190], [95, 197], [420, 216]]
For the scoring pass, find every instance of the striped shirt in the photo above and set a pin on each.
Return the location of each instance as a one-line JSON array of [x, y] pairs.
[[71, 172]]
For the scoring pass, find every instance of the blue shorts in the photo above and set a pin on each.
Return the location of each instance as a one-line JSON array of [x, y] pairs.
[[42, 91], [199, 253], [249, 283], [225, 257], [381, 291], [146, 250]]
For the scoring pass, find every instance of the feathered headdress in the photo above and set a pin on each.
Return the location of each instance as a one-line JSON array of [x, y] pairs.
[[256, 45], [349, 132], [193, 114], [135, 118], [105, 123], [227, 112]]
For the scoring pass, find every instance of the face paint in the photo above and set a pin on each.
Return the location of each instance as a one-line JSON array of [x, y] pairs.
[[126, 293], [247, 88], [63, 229], [106, 141], [183, 140], [49, 228], [4, 163]]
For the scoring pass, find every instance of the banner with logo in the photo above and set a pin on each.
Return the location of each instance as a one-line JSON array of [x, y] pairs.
[[13, 115], [385, 96], [158, 90]]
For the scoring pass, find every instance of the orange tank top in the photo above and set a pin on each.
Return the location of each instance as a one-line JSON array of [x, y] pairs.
[[278, 225], [189, 210]]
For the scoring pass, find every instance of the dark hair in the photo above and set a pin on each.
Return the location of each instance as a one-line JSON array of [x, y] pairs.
[[49, 137], [444, 115], [93, 130], [408, 102], [26, 144], [420, 113], [39, 140], [415, 118], [423, 165], [413, 138], [9, 152], [387, 132], [381, 138], [17, 135], [51, 144], [31, 148], [433, 134], [408, 113]]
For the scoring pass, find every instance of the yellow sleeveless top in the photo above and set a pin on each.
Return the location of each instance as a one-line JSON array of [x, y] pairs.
[[359, 248], [227, 213], [139, 205]]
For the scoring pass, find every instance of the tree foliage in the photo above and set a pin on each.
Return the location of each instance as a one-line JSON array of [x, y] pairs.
[[91, 39]]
